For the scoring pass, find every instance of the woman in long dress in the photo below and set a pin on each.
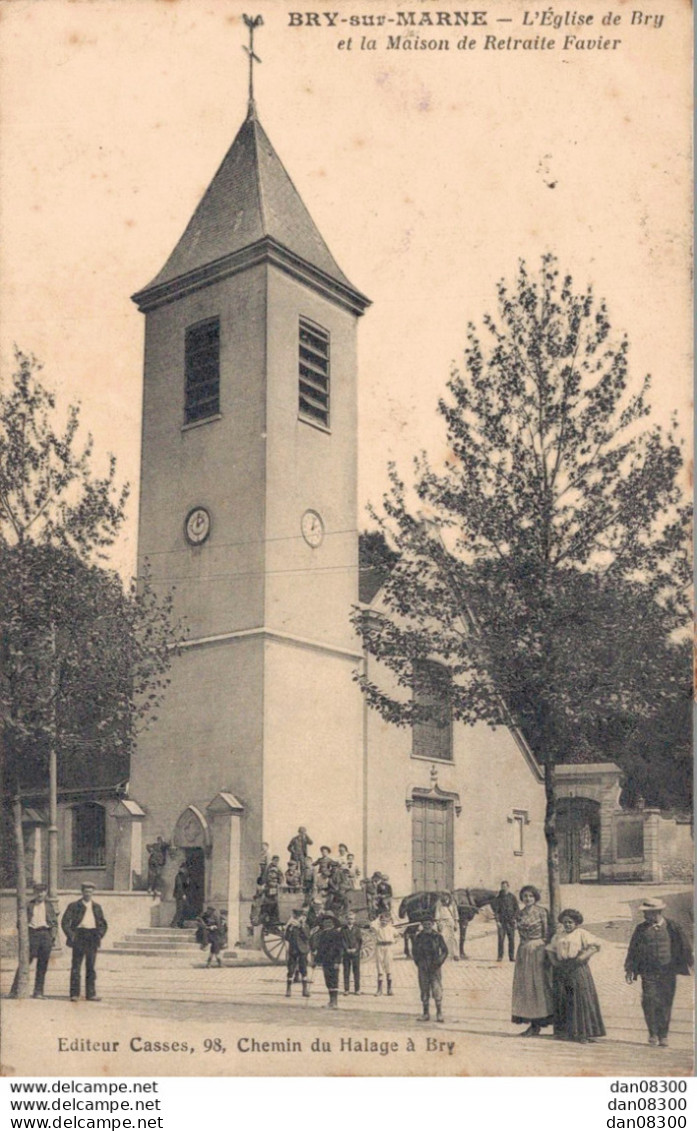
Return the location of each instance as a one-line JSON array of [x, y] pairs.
[[577, 1014], [532, 982]]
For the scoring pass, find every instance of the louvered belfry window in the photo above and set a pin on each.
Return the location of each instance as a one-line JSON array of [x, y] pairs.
[[202, 364], [313, 369]]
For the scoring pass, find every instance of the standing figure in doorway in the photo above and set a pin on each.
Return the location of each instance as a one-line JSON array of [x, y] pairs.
[[658, 952], [84, 926], [43, 928], [532, 981], [181, 888]]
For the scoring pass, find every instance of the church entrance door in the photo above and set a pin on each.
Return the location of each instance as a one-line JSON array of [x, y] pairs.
[[196, 864], [431, 844]]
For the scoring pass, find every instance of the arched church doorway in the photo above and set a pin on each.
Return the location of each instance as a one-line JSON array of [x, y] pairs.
[[578, 834], [192, 838], [195, 861]]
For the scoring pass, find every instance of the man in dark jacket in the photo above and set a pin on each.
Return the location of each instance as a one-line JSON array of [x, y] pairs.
[[505, 908], [298, 846], [84, 926], [658, 951], [353, 940], [329, 950], [297, 936], [430, 952], [43, 927]]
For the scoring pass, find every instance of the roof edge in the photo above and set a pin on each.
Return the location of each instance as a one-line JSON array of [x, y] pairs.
[[264, 250]]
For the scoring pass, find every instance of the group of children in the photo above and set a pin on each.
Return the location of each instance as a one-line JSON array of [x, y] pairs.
[[325, 881], [337, 944]]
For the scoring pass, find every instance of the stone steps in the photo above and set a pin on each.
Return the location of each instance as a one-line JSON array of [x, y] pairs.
[[172, 942]]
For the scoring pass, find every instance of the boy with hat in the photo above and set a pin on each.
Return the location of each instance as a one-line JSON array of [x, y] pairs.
[[328, 951], [84, 926], [658, 951], [297, 936], [429, 951], [43, 927]]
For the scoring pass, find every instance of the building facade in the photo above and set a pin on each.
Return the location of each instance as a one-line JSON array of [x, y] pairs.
[[248, 509]]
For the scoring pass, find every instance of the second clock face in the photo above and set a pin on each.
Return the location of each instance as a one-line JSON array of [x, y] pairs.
[[197, 526], [312, 528]]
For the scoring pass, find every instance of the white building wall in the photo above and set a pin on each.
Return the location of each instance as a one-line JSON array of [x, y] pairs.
[[312, 771], [491, 776]]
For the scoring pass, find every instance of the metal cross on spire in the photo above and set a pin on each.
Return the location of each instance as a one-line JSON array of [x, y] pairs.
[[252, 22]]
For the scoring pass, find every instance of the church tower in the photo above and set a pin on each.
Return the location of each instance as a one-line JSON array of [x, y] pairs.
[[248, 508]]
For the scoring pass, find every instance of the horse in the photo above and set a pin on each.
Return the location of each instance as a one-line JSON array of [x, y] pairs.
[[417, 906]]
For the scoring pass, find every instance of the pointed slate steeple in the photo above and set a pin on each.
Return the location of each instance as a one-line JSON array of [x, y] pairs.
[[250, 212]]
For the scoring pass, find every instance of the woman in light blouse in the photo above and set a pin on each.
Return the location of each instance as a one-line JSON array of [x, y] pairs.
[[532, 983], [577, 1015]]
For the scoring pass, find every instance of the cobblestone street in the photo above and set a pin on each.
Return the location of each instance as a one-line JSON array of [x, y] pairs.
[[178, 1001]]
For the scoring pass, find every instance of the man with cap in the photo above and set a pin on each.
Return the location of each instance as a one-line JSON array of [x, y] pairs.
[[43, 928], [658, 951], [429, 951], [84, 926], [328, 947], [297, 849]]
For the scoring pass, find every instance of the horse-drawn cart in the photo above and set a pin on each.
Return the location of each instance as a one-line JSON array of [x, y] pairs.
[[273, 928]]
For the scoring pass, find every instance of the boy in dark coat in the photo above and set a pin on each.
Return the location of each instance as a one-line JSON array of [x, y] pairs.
[[353, 940], [429, 951], [329, 951], [658, 951], [297, 936]]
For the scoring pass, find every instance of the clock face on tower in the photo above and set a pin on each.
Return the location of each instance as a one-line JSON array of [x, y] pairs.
[[312, 528], [197, 526]]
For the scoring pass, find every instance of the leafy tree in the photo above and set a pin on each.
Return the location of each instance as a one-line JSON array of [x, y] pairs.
[[84, 663], [553, 541]]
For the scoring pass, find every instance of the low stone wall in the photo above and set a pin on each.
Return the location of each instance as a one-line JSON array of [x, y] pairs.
[[125, 912]]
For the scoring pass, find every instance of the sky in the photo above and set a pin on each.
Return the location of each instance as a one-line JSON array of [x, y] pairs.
[[429, 174]]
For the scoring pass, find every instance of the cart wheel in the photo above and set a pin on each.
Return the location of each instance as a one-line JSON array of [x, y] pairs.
[[367, 943], [274, 944]]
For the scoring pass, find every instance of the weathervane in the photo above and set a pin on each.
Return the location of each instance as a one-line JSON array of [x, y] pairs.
[[252, 22]]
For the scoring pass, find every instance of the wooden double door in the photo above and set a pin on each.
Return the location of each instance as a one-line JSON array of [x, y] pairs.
[[432, 844]]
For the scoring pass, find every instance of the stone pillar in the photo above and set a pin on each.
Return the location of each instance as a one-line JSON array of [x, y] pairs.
[[225, 819], [128, 856], [652, 866]]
